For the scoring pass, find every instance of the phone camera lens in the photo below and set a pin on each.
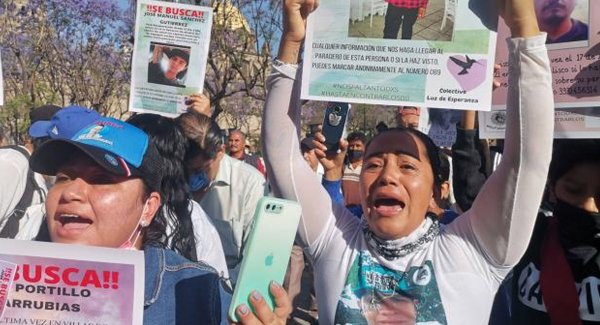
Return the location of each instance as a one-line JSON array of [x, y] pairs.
[[337, 109], [268, 206]]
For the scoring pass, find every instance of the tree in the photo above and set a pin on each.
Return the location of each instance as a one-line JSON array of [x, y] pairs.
[[64, 52]]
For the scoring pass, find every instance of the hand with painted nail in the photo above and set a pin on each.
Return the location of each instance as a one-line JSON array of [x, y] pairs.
[[199, 103], [262, 313]]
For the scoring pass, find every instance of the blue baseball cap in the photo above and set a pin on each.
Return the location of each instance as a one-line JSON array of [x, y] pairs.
[[65, 123], [117, 146]]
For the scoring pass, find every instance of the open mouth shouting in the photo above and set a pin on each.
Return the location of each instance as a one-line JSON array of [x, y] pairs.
[[387, 206], [71, 224]]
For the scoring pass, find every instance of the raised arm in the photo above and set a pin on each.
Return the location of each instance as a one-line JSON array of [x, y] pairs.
[[504, 213], [290, 176]]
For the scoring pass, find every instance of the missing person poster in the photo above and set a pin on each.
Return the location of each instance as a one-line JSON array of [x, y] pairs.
[[569, 123], [7, 274], [70, 284], [573, 28], [442, 58], [169, 56]]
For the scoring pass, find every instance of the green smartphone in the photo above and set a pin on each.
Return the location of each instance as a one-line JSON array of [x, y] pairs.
[[267, 250]]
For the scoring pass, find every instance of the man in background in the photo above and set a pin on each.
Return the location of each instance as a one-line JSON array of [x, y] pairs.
[[237, 146]]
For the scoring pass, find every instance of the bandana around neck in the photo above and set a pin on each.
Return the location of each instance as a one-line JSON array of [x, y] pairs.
[[397, 248]]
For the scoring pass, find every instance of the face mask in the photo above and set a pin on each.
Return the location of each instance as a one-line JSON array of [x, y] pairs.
[[130, 242], [577, 226], [198, 181], [354, 155]]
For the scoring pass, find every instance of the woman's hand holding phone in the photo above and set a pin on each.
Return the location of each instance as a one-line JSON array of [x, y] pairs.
[[264, 315]]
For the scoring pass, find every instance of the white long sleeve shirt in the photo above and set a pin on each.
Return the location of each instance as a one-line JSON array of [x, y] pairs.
[[453, 278]]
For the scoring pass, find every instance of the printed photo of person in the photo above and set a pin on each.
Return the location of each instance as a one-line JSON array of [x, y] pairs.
[[168, 64], [430, 20], [395, 309], [564, 20]]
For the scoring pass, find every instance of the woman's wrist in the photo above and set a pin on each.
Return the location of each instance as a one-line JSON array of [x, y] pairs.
[[289, 50]]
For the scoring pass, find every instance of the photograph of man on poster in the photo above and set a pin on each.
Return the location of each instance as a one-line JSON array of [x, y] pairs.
[[172, 70], [563, 20]]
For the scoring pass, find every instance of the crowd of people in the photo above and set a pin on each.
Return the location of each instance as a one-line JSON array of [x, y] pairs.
[[394, 230]]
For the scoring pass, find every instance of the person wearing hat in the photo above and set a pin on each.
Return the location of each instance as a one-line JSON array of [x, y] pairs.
[[21, 187], [107, 194], [172, 73]]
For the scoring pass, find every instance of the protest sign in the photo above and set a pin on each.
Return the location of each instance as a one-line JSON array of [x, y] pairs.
[[569, 123], [73, 284], [7, 274], [452, 69], [169, 56], [574, 56]]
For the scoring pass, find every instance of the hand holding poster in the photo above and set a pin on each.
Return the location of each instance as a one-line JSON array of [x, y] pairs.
[[73, 284], [169, 57], [426, 68], [573, 28]]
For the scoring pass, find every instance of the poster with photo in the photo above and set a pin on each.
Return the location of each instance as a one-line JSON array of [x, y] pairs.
[[569, 123], [573, 28], [441, 57], [169, 56], [71, 284]]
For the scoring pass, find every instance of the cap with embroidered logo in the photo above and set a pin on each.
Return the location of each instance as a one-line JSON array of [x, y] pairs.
[[118, 147]]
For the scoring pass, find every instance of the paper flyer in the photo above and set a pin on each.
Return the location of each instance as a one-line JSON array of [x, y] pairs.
[[71, 284], [574, 52], [169, 56], [569, 123], [7, 275], [451, 69]]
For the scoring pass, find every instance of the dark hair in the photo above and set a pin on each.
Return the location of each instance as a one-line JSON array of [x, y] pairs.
[[38, 142], [171, 145], [569, 152], [357, 135], [433, 152], [203, 134]]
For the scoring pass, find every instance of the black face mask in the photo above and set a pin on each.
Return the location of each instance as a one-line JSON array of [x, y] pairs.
[[354, 155], [577, 226]]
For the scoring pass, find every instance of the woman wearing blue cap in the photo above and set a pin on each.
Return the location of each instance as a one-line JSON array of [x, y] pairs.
[[106, 194]]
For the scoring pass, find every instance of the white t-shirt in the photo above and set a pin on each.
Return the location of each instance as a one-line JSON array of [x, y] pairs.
[[453, 277], [208, 243]]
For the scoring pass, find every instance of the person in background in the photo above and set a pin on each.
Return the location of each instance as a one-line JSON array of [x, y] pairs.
[[197, 238], [556, 280], [408, 116], [226, 188], [352, 169], [237, 149], [21, 187]]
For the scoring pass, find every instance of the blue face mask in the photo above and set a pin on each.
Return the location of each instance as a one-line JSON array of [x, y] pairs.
[[198, 181]]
